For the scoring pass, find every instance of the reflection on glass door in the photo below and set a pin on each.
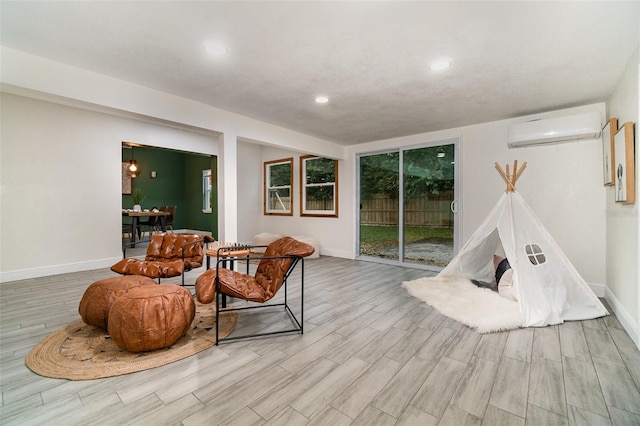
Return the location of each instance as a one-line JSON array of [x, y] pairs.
[[379, 215], [406, 205], [429, 183]]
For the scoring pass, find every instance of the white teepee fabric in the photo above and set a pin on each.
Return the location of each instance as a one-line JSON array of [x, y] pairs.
[[548, 288]]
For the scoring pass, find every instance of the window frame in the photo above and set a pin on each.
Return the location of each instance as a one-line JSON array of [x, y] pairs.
[[267, 188], [535, 254], [303, 189], [207, 190]]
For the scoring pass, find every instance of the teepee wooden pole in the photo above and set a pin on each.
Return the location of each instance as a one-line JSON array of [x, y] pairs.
[[506, 177], [511, 179], [519, 171]]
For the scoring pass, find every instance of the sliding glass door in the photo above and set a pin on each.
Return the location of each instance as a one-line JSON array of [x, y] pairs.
[[407, 204], [379, 215]]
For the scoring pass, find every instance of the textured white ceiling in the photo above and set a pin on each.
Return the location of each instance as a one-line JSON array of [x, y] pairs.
[[370, 58]]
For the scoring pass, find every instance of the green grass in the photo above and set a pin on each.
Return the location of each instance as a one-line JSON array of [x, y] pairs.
[[374, 233]]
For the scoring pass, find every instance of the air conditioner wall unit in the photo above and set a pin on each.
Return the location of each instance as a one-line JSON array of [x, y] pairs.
[[555, 130]]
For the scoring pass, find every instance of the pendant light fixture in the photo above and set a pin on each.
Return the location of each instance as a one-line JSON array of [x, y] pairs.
[[133, 165]]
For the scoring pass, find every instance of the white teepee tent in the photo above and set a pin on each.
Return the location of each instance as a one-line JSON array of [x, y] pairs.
[[548, 288]]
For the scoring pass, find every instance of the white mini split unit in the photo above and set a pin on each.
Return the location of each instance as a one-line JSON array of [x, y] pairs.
[[555, 130]]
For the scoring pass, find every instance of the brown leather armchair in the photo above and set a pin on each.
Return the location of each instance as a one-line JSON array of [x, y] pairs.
[[168, 255], [276, 265]]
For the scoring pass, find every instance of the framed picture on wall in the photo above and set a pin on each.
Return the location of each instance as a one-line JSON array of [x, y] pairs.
[[624, 164], [126, 179], [608, 135]]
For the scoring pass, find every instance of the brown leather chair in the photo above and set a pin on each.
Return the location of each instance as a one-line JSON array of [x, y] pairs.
[[168, 255], [276, 265]]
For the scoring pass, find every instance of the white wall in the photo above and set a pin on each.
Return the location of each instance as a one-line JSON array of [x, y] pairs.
[[45, 80], [331, 232], [562, 183], [249, 190], [61, 187], [34, 76], [622, 220]]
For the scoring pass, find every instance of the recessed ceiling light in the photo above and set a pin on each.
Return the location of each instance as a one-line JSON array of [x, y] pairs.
[[322, 99], [215, 48], [440, 65]]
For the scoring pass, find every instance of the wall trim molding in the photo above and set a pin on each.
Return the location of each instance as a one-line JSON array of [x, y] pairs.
[[25, 274], [345, 254], [626, 320], [45, 271], [598, 289]]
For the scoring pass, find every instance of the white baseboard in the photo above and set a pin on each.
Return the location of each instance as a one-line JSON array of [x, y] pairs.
[[628, 322], [25, 274], [598, 289], [345, 254], [191, 231]]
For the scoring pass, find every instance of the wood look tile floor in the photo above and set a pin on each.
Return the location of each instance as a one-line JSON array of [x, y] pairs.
[[370, 355]]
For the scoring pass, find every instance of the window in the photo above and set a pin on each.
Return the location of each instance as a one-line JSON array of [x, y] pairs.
[[207, 190], [534, 253], [278, 179], [319, 186]]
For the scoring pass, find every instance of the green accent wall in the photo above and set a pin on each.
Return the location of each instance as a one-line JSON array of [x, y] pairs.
[[194, 165], [178, 183]]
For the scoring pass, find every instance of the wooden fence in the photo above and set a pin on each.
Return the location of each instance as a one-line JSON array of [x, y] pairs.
[[432, 210]]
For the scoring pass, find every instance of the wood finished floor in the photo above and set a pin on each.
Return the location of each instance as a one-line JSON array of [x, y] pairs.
[[370, 355]]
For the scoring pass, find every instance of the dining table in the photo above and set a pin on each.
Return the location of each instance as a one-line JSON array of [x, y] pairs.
[[135, 220]]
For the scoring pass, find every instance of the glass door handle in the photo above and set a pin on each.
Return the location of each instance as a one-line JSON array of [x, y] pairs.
[[454, 206]]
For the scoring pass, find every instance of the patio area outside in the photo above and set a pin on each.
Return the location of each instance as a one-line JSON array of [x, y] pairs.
[[423, 245]]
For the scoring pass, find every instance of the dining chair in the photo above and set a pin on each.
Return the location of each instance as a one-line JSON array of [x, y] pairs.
[[126, 232], [152, 224], [168, 220]]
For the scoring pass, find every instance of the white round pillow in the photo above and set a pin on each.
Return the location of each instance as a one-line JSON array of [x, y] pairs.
[[264, 239], [311, 241]]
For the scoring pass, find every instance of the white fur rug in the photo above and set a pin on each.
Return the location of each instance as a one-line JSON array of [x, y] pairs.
[[458, 298]]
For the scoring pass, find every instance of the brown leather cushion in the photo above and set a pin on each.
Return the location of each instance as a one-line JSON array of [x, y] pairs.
[[206, 286], [164, 256], [149, 318], [270, 272], [232, 283], [152, 269], [163, 247], [100, 295]]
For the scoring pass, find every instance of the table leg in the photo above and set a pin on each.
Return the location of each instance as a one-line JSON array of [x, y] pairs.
[[134, 230], [162, 226], [224, 264], [224, 296]]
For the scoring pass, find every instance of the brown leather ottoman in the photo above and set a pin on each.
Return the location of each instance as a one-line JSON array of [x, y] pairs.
[[151, 317], [99, 296]]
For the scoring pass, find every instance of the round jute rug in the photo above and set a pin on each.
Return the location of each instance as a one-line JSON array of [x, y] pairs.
[[79, 351]]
